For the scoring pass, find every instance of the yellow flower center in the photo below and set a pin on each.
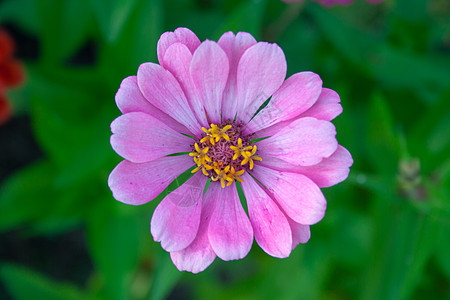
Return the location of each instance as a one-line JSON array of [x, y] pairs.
[[223, 153]]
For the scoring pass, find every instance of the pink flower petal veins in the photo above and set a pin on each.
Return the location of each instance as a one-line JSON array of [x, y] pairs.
[[136, 184], [234, 46], [261, 71], [230, 231], [298, 196], [139, 137], [180, 35], [209, 70], [327, 107], [162, 90], [270, 226], [300, 233], [130, 99], [178, 61], [304, 142], [328, 172], [176, 219], [199, 254], [297, 94]]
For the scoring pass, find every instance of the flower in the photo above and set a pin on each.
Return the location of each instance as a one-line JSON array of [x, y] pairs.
[[203, 102], [335, 2], [11, 73]]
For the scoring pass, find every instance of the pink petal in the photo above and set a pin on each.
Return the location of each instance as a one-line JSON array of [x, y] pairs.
[[261, 71], [162, 90], [181, 35], [209, 71], [139, 137], [176, 219], [327, 107], [199, 254], [137, 184], [230, 231], [178, 60], [300, 233], [272, 231], [234, 46], [130, 99], [304, 142], [328, 172], [298, 196], [296, 95]]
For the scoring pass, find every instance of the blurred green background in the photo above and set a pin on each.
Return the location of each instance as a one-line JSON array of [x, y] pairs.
[[386, 233]]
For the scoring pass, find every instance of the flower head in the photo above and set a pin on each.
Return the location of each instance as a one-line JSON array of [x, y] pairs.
[[11, 73], [203, 101]]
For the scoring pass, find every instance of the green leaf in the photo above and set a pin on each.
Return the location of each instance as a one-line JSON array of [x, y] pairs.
[[246, 17], [391, 67], [136, 45], [67, 118], [112, 16], [381, 139], [21, 195], [63, 27], [430, 134], [76, 18], [165, 277], [443, 249], [116, 235], [403, 245], [24, 284], [28, 19]]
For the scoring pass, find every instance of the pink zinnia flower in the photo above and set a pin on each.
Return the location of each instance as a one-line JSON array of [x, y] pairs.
[[201, 100], [335, 2]]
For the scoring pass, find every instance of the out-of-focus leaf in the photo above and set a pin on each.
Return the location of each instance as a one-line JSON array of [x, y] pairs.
[[165, 277], [405, 241], [75, 25], [112, 16], [136, 44], [381, 138], [430, 134], [247, 17], [115, 241], [391, 67], [443, 249], [31, 197], [65, 117], [27, 19], [21, 195], [63, 27], [24, 284]]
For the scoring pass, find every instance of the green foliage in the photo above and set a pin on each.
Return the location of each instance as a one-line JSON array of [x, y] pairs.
[[384, 236], [24, 284]]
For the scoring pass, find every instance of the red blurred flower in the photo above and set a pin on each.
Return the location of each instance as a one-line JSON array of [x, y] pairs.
[[6, 46], [11, 73], [5, 109]]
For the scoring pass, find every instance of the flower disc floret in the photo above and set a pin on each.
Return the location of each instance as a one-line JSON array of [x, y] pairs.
[[223, 152]]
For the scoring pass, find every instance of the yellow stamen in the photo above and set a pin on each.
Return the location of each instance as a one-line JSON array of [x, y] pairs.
[[249, 157], [200, 155], [209, 136], [222, 176], [239, 150], [233, 175]]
